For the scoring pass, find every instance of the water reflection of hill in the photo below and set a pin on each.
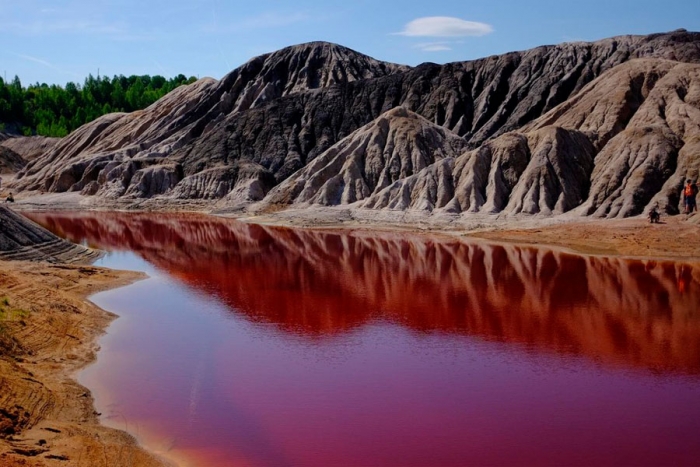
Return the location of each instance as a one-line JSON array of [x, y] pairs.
[[638, 313]]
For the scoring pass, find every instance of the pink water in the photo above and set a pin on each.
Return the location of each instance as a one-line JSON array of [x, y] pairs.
[[263, 346]]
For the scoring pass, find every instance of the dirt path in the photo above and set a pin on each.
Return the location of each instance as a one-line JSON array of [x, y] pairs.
[[48, 331]]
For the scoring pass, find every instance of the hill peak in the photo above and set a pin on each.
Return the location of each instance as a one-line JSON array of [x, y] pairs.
[[299, 68]]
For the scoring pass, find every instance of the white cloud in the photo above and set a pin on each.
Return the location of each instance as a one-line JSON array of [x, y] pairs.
[[434, 46], [444, 26]]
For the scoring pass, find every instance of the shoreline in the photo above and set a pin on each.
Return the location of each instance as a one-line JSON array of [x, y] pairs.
[[50, 332], [566, 235], [676, 237]]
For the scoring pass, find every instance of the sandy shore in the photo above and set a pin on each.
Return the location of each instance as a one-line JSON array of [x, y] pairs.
[[48, 332], [676, 238]]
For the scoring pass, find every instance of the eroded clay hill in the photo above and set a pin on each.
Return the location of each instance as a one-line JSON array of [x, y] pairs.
[[134, 155], [393, 147], [626, 142], [22, 239], [605, 128]]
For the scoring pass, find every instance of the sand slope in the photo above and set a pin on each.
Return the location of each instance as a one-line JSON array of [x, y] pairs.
[[47, 333]]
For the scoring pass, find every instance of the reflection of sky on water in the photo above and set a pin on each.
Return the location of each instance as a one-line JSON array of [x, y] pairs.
[[125, 260]]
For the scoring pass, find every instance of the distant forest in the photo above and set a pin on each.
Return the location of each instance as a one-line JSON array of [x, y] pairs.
[[53, 110]]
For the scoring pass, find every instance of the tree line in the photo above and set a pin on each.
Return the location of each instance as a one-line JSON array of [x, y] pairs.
[[53, 110]]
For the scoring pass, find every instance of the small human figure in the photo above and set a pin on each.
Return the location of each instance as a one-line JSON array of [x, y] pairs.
[[10, 198], [689, 193], [654, 216]]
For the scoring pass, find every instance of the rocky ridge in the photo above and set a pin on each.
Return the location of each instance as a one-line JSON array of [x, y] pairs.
[[104, 155], [543, 132], [625, 142], [397, 145], [22, 239]]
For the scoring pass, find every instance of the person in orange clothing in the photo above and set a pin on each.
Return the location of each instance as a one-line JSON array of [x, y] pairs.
[[689, 193]]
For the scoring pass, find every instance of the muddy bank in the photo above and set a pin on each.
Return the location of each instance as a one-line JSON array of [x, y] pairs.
[[48, 332]]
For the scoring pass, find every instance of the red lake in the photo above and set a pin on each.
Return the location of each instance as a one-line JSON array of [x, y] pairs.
[[251, 345]]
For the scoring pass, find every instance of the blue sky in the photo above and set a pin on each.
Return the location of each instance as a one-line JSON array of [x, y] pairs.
[[65, 40]]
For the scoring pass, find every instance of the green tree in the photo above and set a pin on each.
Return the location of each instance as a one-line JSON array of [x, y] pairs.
[[56, 111]]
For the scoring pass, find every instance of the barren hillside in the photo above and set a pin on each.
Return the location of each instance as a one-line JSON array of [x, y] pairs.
[[606, 128]]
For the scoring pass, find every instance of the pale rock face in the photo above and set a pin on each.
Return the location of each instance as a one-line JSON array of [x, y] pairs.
[[240, 182], [152, 181], [544, 172], [556, 178], [209, 184], [630, 170], [604, 107], [115, 177], [397, 145], [246, 191], [648, 162], [485, 177], [428, 190]]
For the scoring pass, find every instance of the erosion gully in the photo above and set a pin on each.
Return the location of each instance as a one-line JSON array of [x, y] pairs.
[[261, 346]]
